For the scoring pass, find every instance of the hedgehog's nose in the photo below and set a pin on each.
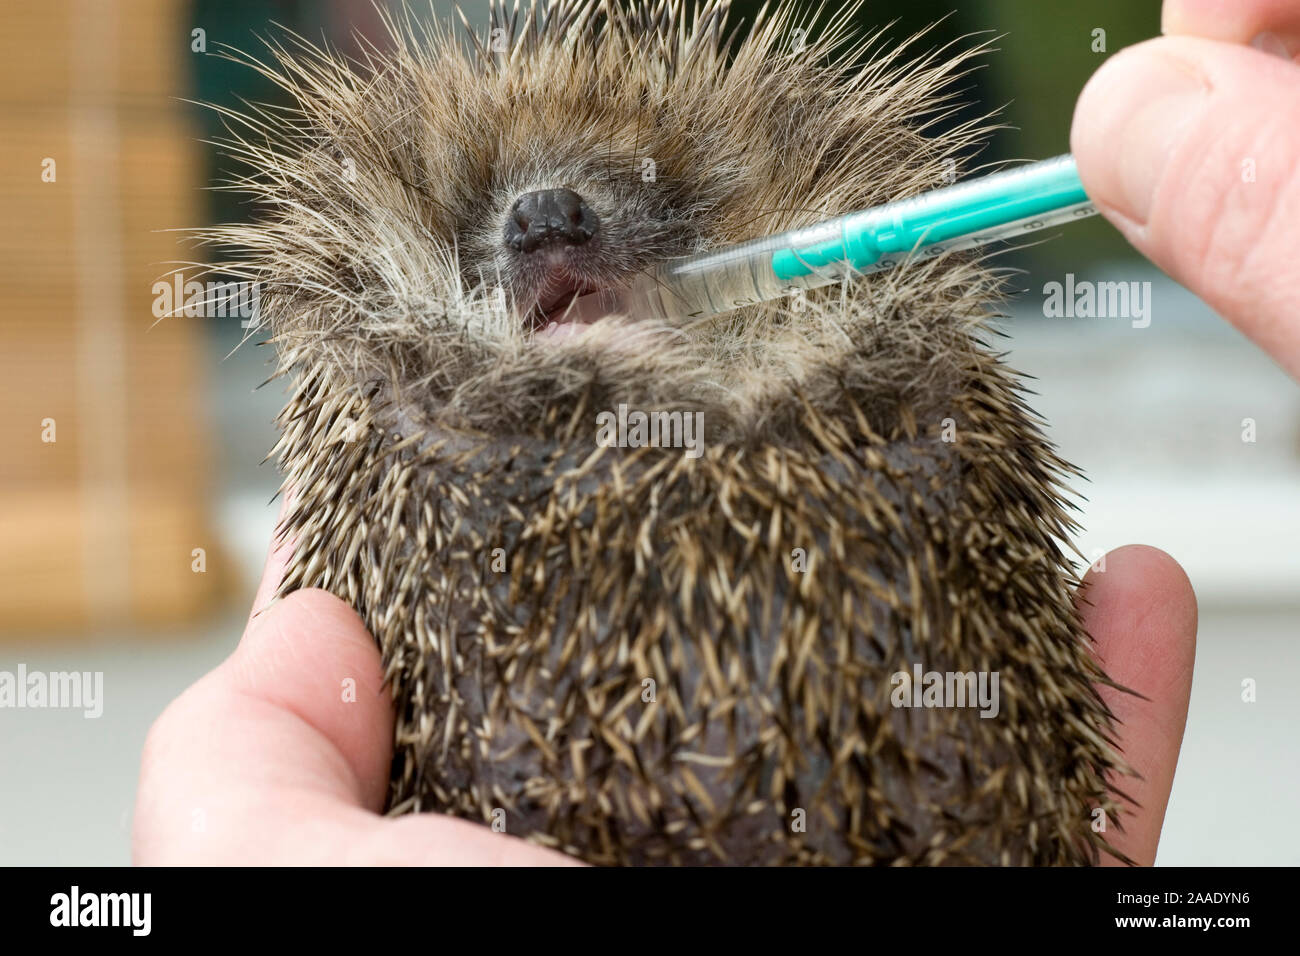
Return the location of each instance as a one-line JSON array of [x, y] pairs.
[[549, 215]]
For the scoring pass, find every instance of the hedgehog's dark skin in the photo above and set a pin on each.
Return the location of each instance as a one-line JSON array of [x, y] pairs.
[[526, 586]]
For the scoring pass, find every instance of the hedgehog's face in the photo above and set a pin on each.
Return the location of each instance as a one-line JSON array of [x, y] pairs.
[[574, 169], [448, 207], [574, 205], [564, 174], [557, 226]]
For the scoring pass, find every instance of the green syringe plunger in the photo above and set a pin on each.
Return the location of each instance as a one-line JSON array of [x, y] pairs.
[[1003, 205]]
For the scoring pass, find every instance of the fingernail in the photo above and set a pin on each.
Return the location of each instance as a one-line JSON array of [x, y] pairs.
[[1131, 116], [1271, 43]]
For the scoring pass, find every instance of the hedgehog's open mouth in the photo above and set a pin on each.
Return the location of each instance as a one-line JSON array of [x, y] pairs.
[[547, 316]]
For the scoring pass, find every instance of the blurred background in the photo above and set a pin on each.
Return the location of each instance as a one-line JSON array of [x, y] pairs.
[[135, 513]]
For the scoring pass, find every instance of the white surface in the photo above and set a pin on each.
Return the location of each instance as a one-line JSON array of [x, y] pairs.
[[1238, 780]]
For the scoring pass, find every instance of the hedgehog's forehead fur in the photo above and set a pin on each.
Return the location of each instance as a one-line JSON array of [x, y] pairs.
[[389, 183]]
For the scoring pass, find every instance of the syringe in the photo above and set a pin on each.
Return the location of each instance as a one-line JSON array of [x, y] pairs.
[[1000, 206]]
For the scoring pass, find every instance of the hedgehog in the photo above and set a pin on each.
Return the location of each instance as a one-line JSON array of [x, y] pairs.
[[709, 640]]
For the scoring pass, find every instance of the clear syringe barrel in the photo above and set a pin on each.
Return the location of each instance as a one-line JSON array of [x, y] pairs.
[[1000, 206]]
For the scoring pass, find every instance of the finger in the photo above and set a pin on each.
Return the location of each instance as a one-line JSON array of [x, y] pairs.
[[278, 553], [432, 839], [282, 755], [1141, 613], [1190, 147], [1270, 25], [310, 656], [265, 742]]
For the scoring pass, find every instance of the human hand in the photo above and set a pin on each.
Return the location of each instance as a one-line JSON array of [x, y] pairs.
[[263, 762], [1189, 145]]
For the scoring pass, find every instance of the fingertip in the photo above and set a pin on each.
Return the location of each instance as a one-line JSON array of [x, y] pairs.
[[1140, 572], [1132, 114], [311, 654], [1140, 591]]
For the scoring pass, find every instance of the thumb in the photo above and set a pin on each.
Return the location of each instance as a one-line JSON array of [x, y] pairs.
[[1190, 147]]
